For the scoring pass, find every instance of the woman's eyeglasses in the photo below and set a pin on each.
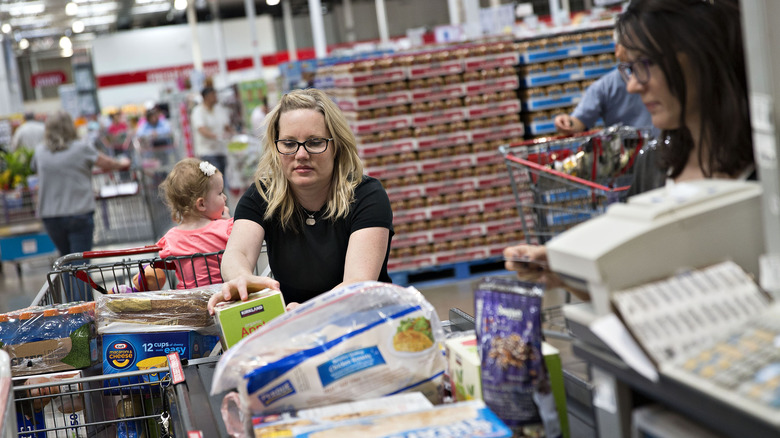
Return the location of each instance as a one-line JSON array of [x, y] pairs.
[[312, 146], [640, 69]]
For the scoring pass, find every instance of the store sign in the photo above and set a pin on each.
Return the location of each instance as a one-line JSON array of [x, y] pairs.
[[47, 79]]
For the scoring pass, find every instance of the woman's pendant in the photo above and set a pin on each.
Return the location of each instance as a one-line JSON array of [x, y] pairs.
[[310, 220]]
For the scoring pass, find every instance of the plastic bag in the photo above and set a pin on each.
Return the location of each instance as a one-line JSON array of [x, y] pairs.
[[144, 312], [365, 340]]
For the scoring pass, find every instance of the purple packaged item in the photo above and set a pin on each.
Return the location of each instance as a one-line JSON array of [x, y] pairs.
[[509, 339]]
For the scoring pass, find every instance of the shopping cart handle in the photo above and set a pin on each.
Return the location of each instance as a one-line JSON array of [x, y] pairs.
[[60, 262]]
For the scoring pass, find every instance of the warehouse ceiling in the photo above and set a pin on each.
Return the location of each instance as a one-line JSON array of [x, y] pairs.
[[39, 25]]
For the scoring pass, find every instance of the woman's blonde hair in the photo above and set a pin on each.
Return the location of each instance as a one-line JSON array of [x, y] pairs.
[[183, 186], [60, 131], [347, 170]]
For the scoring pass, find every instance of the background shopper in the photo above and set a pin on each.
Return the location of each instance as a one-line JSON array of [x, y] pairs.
[[324, 223], [66, 202], [211, 125], [606, 99]]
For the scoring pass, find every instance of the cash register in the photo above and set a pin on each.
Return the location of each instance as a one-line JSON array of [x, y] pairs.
[[657, 233], [653, 237]]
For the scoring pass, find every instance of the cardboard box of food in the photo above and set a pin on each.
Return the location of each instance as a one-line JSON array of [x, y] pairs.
[[464, 367], [145, 351], [237, 319]]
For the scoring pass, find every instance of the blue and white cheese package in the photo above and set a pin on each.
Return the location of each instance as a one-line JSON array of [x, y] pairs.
[[361, 341]]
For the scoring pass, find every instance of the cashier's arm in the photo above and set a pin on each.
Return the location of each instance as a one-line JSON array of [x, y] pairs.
[[238, 263], [365, 255]]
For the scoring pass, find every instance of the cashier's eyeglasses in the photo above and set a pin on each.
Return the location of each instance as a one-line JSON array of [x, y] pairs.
[[312, 146], [640, 69]]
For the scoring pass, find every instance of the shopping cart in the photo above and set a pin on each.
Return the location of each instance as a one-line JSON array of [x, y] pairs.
[[176, 404], [76, 277], [559, 182], [123, 211]]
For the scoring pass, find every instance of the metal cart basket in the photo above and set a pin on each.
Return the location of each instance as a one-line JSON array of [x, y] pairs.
[[559, 182], [78, 276]]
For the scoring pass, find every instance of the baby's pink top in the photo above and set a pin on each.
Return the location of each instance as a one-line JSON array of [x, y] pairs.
[[196, 271]]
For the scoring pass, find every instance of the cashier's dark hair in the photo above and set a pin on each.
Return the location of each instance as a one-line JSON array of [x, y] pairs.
[[708, 35], [59, 131]]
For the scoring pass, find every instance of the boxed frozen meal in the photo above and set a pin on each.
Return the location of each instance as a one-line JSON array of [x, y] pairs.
[[50, 338], [462, 419], [464, 367], [237, 319], [59, 406]]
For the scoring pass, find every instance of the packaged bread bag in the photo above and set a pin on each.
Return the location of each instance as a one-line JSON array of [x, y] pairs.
[[365, 340]]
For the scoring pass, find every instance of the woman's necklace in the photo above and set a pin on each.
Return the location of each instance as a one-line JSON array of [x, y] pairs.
[[310, 220]]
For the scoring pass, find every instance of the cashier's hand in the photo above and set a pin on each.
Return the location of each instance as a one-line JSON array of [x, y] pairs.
[[240, 288], [530, 263]]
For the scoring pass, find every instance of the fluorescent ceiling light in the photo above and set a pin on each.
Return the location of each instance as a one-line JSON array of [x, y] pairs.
[[71, 9], [20, 8], [272, 2], [99, 20], [65, 43], [89, 10], [33, 21], [150, 8]]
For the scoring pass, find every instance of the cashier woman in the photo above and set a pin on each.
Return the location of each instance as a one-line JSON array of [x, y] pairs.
[[685, 60], [324, 223]]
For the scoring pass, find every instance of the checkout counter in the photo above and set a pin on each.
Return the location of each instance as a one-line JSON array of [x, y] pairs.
[[652, 238]]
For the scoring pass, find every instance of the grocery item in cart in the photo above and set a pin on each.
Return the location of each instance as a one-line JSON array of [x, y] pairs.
[[42, 339], [509, 338], [465, 419], [49, 410], [237, 319], [156, 311], [365, 340]]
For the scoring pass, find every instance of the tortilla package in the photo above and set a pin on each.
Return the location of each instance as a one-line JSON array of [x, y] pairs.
[[361, 341]]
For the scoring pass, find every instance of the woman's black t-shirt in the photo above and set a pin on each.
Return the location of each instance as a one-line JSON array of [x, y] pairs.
[[309, 260]]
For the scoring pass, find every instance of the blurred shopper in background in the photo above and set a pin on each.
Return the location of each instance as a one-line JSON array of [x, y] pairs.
[[66, 202], [211, 128], [606, 99], [685, 60], [324, 222], [155, 129], [29, 134]]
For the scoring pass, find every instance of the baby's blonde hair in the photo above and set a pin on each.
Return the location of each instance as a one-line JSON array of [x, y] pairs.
[[183, 186]]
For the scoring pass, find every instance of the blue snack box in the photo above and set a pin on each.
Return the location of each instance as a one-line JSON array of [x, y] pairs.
[[124, 352]]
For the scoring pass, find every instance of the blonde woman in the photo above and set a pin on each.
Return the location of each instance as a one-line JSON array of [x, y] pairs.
[[324, 223]]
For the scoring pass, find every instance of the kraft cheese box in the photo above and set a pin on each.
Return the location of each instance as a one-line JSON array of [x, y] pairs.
[[237, 319], [143, 351]]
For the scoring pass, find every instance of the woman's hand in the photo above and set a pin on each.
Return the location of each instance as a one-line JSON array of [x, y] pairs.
[[240, 288]]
